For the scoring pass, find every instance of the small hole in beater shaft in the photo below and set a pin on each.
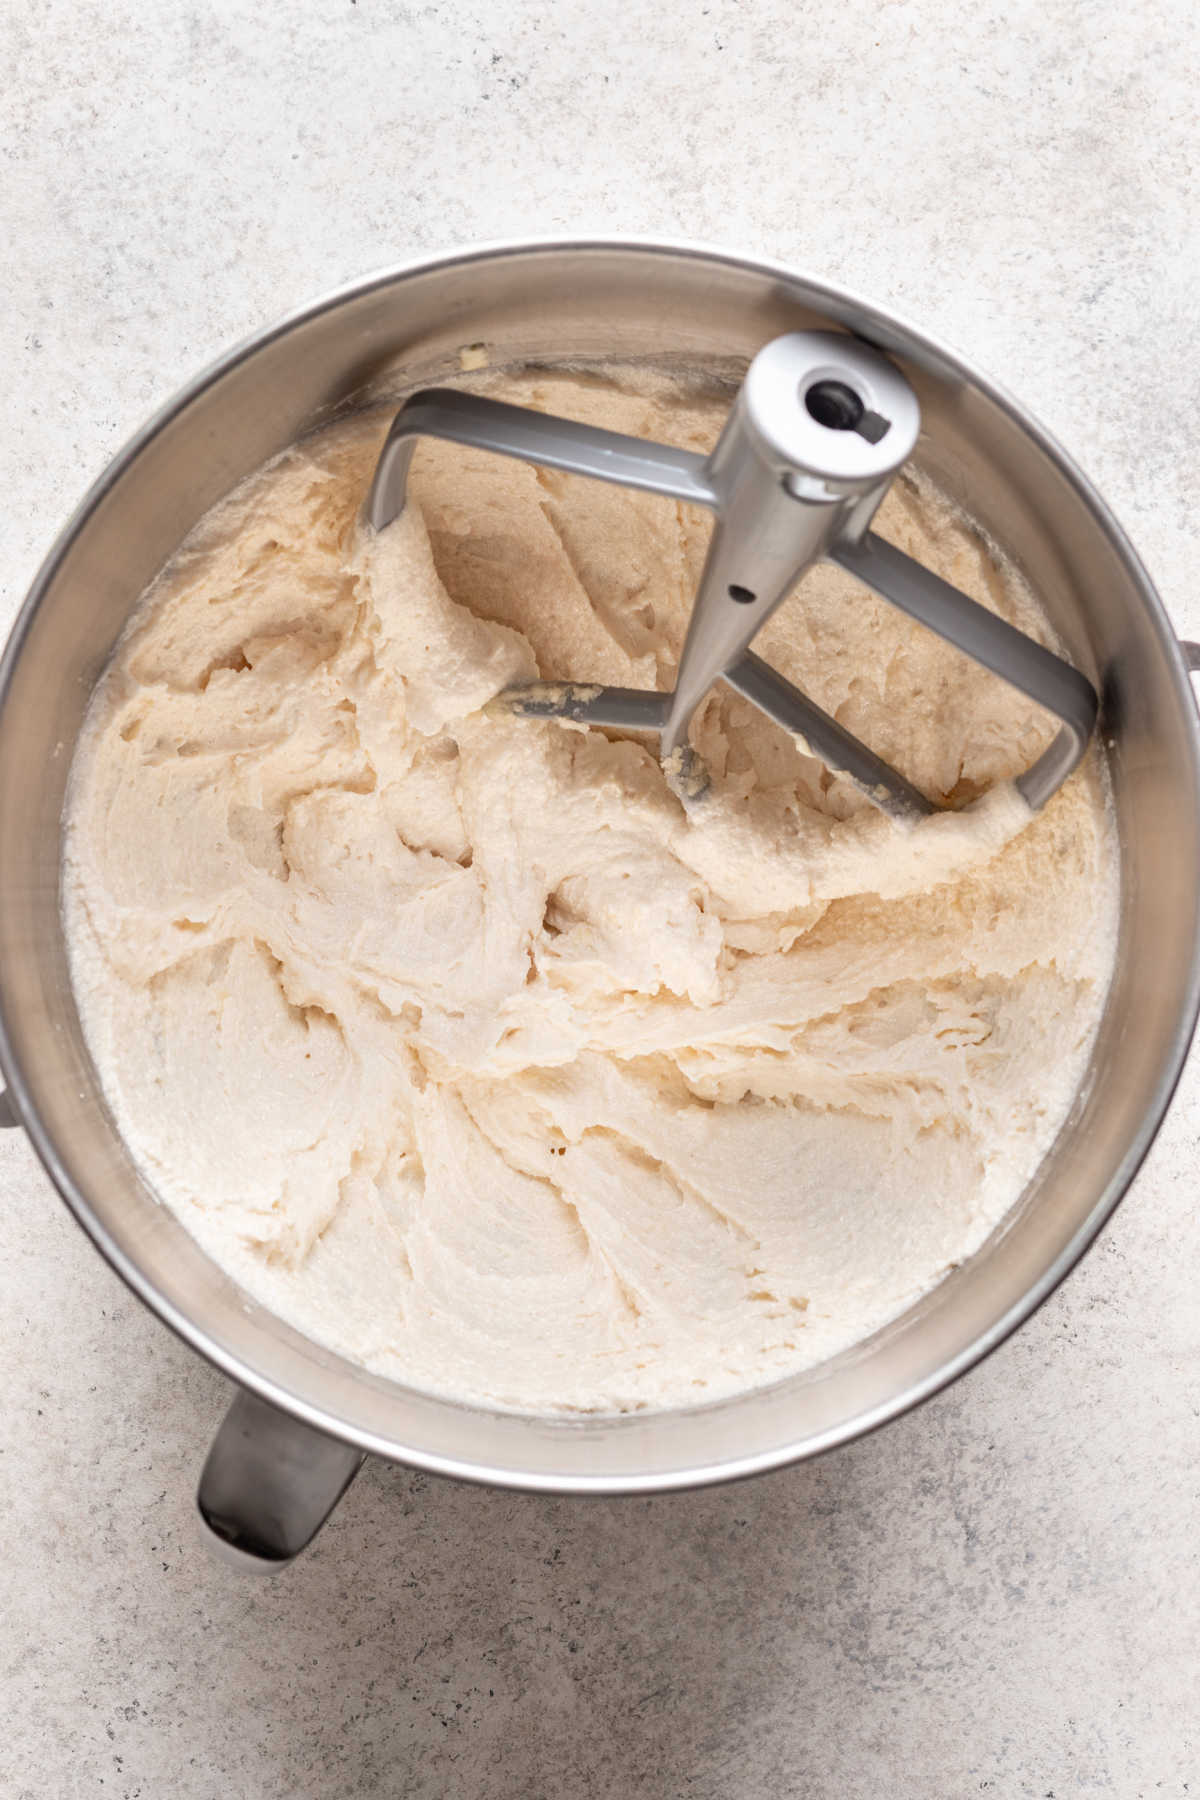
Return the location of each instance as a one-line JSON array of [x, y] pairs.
[[742, 595], [835, 405]]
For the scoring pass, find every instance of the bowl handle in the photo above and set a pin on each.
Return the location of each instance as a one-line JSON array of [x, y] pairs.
[[8, 1112], [268, 1485], [1191, 656]]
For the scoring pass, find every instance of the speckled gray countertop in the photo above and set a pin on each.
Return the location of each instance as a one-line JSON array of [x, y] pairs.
[[995, 1596]]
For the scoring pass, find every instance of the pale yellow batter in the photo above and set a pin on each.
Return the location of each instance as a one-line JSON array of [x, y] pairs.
[[458, 1040]]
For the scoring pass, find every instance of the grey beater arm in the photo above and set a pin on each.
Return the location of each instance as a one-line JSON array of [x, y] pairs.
[[821, 734], [818, 429], [989, 640], [532, 437]]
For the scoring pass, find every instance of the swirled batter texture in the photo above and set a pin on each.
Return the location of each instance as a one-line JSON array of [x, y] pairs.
[[466, 1047]]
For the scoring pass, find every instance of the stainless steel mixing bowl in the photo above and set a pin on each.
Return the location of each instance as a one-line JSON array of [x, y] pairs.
[[277, 1467]]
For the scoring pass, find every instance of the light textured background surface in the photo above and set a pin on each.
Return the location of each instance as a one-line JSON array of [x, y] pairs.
[[997, 1596]]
